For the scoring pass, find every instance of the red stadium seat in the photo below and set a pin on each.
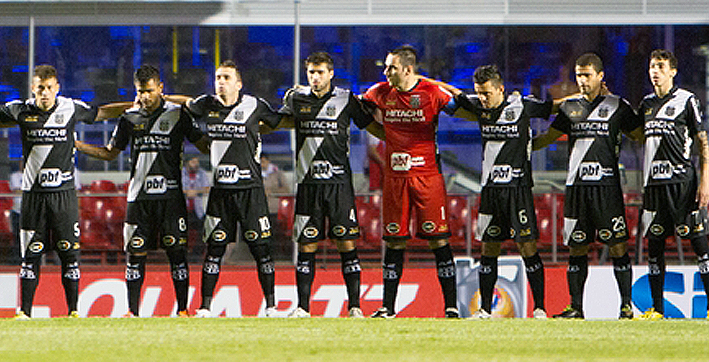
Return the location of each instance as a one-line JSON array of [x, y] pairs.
[[286, 209], [6, 202], [103, 186]]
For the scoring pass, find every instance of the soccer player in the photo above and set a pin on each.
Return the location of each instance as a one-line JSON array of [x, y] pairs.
[[672, 202], [506, 201], [594, 208], [412, 177], [322, 114], [232, 119], [50, 212], [156, 213]]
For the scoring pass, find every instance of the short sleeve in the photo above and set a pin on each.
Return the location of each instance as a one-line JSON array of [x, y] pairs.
[[360, 116], [695, 116], [5, 115], [537, 108], [287, 107], [268, 116], [84, 112], [121, 134], [631, 120], [192, 131], [562, 122], [197, 107]]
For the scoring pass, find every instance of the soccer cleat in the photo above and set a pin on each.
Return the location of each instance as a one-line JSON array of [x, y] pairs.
[[129, 314], [183, 314], [480, 314], [650, 315], [74, 314], [355, 312], [570, 313], [299, 313], [21, 316], [384, 313], [271, 312], [452, 313], [539, 313], [626, 312], [203, 313]]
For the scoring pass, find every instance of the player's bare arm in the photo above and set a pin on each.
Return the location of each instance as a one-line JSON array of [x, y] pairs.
[[203, 144], [543, 140], [106, 153], [703, 190], [451, 89], [177, 98], [112, 110], [377, 130]]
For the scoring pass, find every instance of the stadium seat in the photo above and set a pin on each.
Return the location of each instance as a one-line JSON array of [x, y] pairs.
[[286, 209], [103, 186], [6, 202]]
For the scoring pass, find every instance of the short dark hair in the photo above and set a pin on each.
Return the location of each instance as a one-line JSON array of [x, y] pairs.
[[485, 73], [662, 54], [145, 73], [591, 59], [320, 58], [407, 55], [45, 71], [231, 64]]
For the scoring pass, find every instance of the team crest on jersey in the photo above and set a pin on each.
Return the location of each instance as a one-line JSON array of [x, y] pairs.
[[393, 228], [510, 115], [670, 111], [239, 116], [415, 101], [31, 119], [59, 118], [330, 111], [603, 112], [428, 226], [213, 114], [682, 230], [164, 126]]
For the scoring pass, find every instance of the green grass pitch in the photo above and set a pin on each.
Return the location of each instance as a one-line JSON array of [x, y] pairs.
[[321, 339]]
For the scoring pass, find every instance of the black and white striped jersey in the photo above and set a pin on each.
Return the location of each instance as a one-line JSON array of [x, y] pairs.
[[594, 130], [671, 122], [156, 149], [323, 132], [507, 138], [235, 150], [47, 141]]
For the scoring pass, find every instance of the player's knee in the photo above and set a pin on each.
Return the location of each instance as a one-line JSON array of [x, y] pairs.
[[527, 248], [491, 249], [618, 250], [578, 250], [262, 254], [308, 247], [396, 244], [344, 246], [438, 243]]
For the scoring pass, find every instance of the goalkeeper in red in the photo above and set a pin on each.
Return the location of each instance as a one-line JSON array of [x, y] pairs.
[[412, 178]]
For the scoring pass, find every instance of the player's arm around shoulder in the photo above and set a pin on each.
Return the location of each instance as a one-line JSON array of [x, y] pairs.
[[106, 153], [703, 190], [545, 139]]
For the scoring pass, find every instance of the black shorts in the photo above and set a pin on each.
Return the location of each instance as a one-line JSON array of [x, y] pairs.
[[314, 203], [227, 208], [591, 209], [506, 213], [46, 214], [673, 208], [153, 223]]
